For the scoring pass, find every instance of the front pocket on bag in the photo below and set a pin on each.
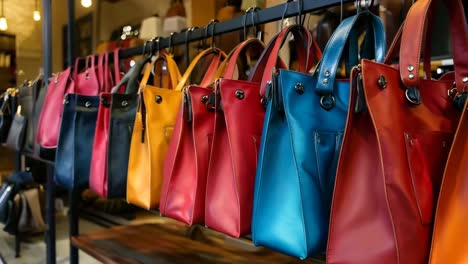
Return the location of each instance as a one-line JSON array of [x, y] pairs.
[[427, 154]]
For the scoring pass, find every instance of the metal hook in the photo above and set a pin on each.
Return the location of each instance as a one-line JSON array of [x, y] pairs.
[[284, 13], [300, 17], [213, 24], [254, 10], [187, 47], [341, 10], [158, 47]]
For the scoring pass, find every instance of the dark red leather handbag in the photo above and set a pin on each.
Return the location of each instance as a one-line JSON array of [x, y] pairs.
[[98, 169], [186, 163], [86, 82], [397, 139], [238, 126], [51, 114]]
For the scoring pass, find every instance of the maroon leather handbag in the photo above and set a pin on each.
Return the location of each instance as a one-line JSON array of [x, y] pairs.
[[98, 169], [186, 163], [51, 114], [397, 139]]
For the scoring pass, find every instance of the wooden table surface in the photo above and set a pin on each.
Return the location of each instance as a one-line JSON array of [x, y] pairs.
[[171, 242]]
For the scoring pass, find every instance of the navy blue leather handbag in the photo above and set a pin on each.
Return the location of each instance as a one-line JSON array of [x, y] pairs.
[[74, 149], [301, 141]]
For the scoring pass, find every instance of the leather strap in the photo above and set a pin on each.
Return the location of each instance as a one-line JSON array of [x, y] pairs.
[[210, 74], [128, 82], [230, 62], [172, 69], [191, 67], [117, 75], [334, 49], [412, 40]]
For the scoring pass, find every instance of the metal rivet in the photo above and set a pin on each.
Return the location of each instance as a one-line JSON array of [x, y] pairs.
[[204, 99], [87, 75], [299, 87], [382, 82], [325, 81], [327, 102], [158, 99], [240, 94], [87, 104], [56, 79], [410, 68], [465, 79], [124, 103], [411, 76], [327, 73], [65, 101]]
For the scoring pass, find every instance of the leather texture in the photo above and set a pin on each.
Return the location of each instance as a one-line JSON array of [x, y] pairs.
[[51, 113], [17, 133], [74, 149], [123, 108], [301, 142], [393, 156], [235, 141], [152, 130], [186, 164], [99, 165]]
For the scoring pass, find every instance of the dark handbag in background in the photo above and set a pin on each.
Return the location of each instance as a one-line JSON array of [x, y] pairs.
[[7, 192], [31, 220], [16, 135], [7, 112]]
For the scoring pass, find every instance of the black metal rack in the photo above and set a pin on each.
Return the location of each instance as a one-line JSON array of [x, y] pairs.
[[271, 14]]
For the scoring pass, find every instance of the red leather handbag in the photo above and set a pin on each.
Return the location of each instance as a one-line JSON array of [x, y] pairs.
[[51, 114], [239, 117], [397, 139], [98, 169], [186, 163], [86, 82]]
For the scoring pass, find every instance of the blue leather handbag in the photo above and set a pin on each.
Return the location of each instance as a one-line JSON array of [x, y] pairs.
[[74, 149], [301, 142]]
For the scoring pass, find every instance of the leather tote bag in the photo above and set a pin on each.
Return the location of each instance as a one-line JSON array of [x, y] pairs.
[[186, 164], [236, 138], [26, 98], [31, 220], [301, 142], [152, 130], [122, 110], [396, 143], [51, 113], [16, 134], [98, 169], [74, 149], [7, 112]]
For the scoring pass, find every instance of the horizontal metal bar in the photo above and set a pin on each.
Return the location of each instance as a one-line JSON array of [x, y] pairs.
[[261, 17]]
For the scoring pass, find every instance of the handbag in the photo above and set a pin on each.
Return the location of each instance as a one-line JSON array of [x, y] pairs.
[[301, 142], [74, 149], [7, 192], [16, 134], [7, 112], [98, 167], [235, 142], [186, 164], [152, 130], [113, 133], [397, 139], [51, 113], [30, 219]]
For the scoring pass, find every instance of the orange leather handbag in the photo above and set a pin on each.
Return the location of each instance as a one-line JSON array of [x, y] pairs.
[[186, 166], [152, 130], [396, 144]]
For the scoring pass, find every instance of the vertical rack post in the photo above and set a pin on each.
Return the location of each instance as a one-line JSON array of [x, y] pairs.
[[74, 195], [50, 186], [17, 235]]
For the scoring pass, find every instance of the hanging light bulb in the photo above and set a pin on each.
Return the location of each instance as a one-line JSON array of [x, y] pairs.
[[3, 21], [36, 14], [86, 3]]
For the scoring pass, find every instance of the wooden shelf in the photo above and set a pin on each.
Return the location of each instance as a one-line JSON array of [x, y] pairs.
[[167, 241]]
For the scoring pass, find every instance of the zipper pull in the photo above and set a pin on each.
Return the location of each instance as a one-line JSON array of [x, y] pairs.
[[360, 105]]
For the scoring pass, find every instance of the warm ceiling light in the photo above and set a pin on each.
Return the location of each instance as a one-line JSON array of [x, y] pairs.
[[86, 3], [36, 13], [3, 21]]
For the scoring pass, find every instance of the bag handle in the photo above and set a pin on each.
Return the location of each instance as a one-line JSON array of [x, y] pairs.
[[306, 47], [117, 76], [129, 83], [228, 67], [412, 38], [103, 72], [210, 73], [89, 64], [326, 71], [173, 70]]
